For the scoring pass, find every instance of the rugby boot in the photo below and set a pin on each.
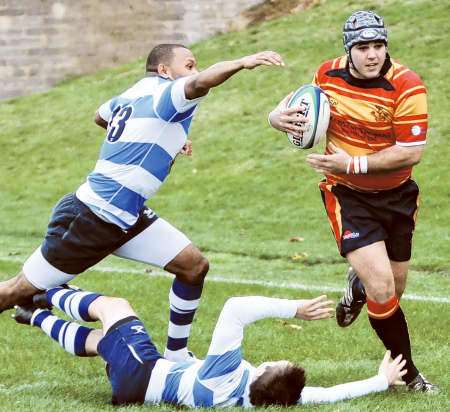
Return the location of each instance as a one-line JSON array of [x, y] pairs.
[[420, 384], [40, 299], [351, 303], [23, 314]]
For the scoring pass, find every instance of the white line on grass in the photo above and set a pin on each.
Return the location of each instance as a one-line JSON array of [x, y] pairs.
[[265, 283]]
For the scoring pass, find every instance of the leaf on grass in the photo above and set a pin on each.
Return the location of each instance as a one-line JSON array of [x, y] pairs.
[[299, 256], [291, 325], [296, 239]]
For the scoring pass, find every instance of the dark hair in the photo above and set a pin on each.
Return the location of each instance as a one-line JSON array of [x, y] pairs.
[[278, 386], [162, 53]]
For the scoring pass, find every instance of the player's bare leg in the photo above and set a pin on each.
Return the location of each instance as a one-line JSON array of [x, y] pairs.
[[189, 266], [400, 271], [109, 310], [16, 291], [385, 314]]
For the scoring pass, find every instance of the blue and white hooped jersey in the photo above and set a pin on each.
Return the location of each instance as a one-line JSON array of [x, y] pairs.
[[147, 127], [224, 377]]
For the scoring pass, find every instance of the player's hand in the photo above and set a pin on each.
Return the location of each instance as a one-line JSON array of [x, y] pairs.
[[315, 309], [187, 148], [288, 120], [265, 58], [392, 370], [335, 162]]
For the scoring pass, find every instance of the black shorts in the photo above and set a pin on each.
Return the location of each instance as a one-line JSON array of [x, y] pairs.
[[77, 238], [130, 357], [359, 219]]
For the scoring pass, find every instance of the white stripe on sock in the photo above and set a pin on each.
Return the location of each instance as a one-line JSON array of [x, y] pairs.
[[75, 304], [69, 341], [182, 304], [48, 323], [56, 298], [61, 334], [178, 331]]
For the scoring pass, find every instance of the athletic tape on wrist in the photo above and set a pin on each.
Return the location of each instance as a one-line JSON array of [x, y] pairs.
[[363, 164], [357, 165]]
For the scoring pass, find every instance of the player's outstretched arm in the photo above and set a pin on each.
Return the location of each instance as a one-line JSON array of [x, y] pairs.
[[314, 309], [389, 373], [99, 121], [199, 84]]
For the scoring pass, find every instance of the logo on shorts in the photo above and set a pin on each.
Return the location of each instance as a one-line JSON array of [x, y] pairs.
[[350, 235], [149, 213], [138, 329]]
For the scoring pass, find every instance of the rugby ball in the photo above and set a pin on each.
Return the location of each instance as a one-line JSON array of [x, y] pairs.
[[315, 107]]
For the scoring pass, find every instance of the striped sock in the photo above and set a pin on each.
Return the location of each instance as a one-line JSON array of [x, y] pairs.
[[70, 335], [184, 300], [389, 323], [74, 303]]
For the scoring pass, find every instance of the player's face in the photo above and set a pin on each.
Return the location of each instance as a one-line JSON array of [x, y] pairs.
[[183, 64], [368, 59]]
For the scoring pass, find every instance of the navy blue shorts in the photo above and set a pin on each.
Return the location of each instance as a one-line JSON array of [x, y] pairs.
[[359, 219], [130, 357], [77, 238]]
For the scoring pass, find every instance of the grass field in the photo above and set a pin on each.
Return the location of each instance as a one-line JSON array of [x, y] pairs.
[[241, 198]]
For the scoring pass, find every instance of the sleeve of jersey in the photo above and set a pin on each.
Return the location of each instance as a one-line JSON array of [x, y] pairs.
[[105, 111], [239, 312], [224, 354], [411, 114], [315, 395], [170, 102], [315, 80]]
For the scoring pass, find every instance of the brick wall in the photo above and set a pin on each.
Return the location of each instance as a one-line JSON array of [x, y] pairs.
[[44, 41]]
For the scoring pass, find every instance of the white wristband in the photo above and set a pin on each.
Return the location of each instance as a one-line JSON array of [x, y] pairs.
[[356, 165], [363, 164]]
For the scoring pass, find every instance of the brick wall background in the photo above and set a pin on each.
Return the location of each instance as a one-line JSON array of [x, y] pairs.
[[44, 41]]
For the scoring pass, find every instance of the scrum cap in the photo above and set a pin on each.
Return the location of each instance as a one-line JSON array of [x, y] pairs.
[[362, 27]]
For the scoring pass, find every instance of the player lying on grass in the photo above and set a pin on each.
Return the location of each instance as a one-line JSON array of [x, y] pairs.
[[139, 374], [147, 127]]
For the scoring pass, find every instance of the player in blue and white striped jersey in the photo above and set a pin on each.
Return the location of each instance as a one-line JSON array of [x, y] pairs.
[[139, 374], [146, 128]]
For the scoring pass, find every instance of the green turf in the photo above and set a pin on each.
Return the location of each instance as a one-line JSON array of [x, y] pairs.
[[241, 198]]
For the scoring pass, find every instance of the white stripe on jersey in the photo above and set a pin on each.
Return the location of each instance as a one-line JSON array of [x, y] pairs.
[[132, 176], [96, 203], [157, 381], [142, 130]]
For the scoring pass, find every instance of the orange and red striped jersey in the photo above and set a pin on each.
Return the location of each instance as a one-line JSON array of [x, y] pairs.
[[371, 115]]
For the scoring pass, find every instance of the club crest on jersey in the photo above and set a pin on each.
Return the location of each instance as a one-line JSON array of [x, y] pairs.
[[381, 114], [350, 235]]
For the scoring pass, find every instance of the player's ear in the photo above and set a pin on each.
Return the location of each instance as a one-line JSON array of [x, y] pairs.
[[163, 70]]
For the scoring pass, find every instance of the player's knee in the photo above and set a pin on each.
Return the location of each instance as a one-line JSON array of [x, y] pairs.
[[198, 270], [121, 304], [382, 290]]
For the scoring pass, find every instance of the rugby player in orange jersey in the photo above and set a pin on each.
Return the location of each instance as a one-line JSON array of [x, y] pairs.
[[376, 135]]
